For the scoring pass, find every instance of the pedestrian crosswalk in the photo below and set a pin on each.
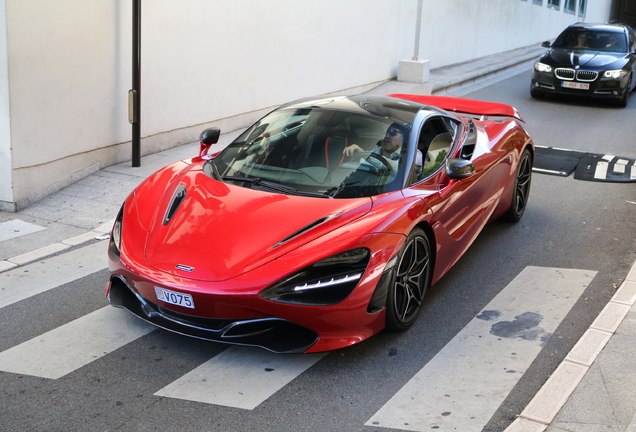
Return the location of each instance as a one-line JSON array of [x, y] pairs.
[[459, 389], [462, 387]]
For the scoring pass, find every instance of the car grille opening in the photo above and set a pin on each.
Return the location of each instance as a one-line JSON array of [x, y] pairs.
[[568, 74], [586, 75], [564, 74]]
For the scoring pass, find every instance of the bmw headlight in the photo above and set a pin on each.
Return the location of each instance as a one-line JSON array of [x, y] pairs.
[[114, 246], [324, 283], [615, 74], [542, 67]]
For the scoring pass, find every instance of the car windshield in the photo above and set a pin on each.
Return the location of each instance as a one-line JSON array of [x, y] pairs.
[[596, 40], [317, 152]]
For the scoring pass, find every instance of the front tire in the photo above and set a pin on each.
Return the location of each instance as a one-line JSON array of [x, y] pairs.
[[521, 190], [537, 94], [411, 279], [628, 91]]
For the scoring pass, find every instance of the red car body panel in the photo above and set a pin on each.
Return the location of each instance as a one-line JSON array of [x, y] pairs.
[[218, 209], [233, 242]]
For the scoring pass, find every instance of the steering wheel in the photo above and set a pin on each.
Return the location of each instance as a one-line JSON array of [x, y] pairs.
[[385, 163]]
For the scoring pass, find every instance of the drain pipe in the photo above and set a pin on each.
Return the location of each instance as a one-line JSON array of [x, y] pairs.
[[134, 95]]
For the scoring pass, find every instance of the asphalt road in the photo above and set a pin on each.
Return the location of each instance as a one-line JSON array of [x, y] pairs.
[[585, 227]]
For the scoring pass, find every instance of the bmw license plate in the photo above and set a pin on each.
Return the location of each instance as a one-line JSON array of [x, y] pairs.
[[575, 85], [174, 298]]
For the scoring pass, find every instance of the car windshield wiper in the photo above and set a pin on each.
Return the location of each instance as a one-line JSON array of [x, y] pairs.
[[277, 187], [257, 181], [241, 179]]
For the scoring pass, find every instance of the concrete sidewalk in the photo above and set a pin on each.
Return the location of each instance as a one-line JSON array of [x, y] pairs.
[[587, 393]]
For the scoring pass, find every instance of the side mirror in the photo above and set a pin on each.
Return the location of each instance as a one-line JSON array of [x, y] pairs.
[[207, 138], [546, 44], [458, 169]]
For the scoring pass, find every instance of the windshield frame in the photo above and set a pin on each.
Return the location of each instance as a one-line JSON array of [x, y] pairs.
[[565, 39], [231, 163]]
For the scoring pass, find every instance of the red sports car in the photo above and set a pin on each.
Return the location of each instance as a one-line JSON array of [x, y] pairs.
[[322, 224]]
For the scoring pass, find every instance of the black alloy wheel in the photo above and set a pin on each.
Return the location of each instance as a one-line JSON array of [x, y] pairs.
[[521, 191], [411, 278]]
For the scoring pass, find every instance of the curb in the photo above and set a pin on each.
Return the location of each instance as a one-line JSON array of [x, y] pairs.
[[484, 72]]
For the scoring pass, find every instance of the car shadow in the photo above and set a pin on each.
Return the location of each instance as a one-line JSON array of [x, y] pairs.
[[581, 101]]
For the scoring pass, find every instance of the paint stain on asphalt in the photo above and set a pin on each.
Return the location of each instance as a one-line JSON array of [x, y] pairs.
[[489, 315], [524, 326]]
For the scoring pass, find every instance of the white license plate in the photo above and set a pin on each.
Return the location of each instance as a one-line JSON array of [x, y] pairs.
[[575, 85], [174, 298]]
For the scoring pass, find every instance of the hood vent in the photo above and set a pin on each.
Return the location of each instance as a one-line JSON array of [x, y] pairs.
[[176, 201], [305, 229]]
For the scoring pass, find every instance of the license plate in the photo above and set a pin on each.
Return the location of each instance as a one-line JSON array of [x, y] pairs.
[[575, 85], [174, 298]]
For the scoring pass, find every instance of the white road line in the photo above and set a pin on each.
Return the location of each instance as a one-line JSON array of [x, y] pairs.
[[73, 345], [240, 377], [547, 171], [619, 168], [466, 382], [38, 277], [601, 170]]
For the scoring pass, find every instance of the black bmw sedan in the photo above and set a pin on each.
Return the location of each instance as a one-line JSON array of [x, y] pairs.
[[594, 60]]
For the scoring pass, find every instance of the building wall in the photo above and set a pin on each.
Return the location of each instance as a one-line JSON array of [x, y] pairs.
[[216, 62]]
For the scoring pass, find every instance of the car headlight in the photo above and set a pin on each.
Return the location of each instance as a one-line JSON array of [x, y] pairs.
[[615, 74], [324, 283], [114, 246], [542, 67]]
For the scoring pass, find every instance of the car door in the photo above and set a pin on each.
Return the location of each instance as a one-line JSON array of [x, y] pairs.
[[461, 207]]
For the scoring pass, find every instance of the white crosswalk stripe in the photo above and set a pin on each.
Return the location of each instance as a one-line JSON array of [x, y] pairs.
[[73, 345], [464, 384], [240, 377], [43, 275]]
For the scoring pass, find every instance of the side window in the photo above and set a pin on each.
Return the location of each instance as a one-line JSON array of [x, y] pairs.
[[434, 143]]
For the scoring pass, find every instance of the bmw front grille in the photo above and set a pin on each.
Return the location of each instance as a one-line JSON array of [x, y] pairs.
[[569, 75]]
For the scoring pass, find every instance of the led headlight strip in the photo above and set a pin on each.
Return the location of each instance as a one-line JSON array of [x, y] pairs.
[[332, 282], [326, 282]]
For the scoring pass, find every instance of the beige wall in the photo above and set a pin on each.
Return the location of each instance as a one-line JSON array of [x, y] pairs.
[[212, 61]]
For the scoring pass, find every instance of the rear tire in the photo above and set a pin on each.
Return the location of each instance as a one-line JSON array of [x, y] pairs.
[[521, 190], [411, 279]]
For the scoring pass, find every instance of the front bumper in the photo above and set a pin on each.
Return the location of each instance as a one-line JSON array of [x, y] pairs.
[[601, 88], [273, 334], [233, 311]]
